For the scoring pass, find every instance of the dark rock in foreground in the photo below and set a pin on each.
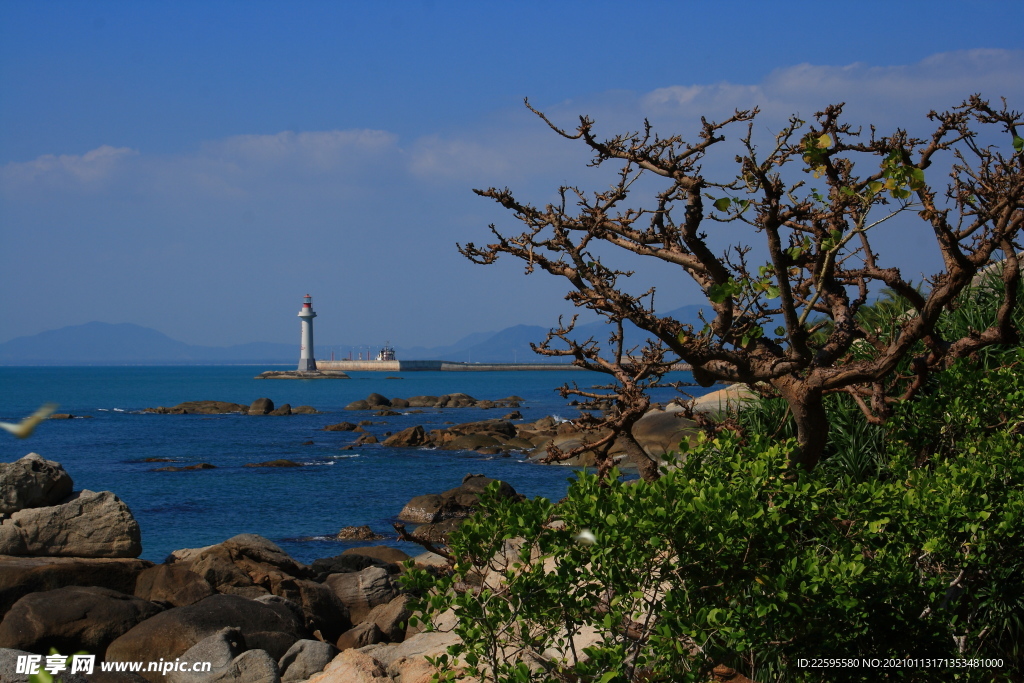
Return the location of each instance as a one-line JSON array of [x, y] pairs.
[[20, 576], [269, 626], [72, 617]]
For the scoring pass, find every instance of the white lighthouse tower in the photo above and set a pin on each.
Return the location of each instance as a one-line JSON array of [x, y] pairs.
[[307, 363]]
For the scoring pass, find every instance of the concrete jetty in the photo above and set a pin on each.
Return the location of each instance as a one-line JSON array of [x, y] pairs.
[[444, 366], [432, 365]]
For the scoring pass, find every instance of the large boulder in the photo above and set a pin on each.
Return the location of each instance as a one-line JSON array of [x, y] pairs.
[[660, 432], [364, 590], [71, 619], [247, 561], [32, 482], [88, 524], [218, 649], [422, 401], [20, 576], [173, 584], [377, 401], [269, 626], [251, 566], [261, 406]]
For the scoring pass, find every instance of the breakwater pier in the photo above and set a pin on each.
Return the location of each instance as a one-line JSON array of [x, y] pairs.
[[433, 365]]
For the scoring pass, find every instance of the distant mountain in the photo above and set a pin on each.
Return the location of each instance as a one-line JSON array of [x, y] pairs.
[[99, 343], [513, 343]]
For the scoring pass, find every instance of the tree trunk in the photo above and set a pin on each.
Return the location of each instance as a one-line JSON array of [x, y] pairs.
[[647, 466], [808, 408]]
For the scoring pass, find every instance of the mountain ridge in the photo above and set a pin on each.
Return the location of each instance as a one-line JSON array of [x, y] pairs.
[[100, 343]]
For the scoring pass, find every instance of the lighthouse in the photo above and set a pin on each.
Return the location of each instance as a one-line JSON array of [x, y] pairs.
[[307, 363]]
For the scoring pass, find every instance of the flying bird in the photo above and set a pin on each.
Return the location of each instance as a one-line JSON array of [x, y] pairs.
[[585, 537], [24, 429]]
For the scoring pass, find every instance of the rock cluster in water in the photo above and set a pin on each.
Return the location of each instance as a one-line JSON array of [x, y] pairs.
[[458, 400], [261, 406], [74, 582]]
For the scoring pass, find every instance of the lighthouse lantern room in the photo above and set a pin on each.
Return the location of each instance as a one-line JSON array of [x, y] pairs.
[[307, 363]]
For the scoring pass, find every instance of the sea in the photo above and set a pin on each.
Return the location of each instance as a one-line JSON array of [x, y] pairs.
[[300, 508]]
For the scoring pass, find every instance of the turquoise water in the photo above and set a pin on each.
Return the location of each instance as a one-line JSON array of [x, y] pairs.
[[334, 489]]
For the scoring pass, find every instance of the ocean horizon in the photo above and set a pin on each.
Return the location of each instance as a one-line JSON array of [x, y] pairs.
[[299, 508]]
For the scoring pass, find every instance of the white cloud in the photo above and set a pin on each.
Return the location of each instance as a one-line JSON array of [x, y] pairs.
[[236, 167], [88, 170], [875, 93]]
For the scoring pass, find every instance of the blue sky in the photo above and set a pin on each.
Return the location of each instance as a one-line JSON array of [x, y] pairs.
[[198, 167]]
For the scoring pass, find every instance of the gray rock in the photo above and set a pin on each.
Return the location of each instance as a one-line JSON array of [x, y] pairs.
[[261, 406], [364, 590], [376, 401], [305, 658], [252, 666], [32, 482], [71, 619], [285, 409], [88, 524], [219, 649]]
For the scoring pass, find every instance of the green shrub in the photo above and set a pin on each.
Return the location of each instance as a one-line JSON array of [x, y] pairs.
[[731, 558]]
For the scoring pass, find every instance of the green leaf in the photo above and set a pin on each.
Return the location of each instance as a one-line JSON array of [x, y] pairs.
[[723, 203], [779, 331], [1018, 143], [719, 293]]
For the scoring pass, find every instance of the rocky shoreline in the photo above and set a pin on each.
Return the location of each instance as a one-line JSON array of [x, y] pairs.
[[70, 579]]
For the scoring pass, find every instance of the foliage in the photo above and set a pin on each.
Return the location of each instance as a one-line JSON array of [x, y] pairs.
[[732, 558], [858, 448], [816, 196]]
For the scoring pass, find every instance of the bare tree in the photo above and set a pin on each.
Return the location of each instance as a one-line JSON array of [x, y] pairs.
[[819, 269]]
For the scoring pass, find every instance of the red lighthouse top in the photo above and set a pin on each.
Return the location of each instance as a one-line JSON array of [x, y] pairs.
[[307, 302]]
